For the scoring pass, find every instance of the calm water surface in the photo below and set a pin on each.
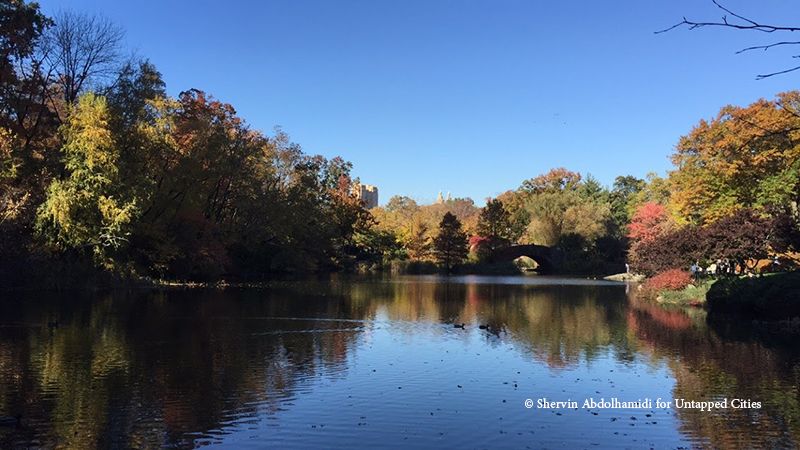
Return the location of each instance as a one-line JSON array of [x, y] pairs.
[[378, 363]]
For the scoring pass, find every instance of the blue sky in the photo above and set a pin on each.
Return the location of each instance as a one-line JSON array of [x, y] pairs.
[[470, 97]]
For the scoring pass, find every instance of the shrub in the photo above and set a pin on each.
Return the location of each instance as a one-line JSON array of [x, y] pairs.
[[771, 297], [670, 280]]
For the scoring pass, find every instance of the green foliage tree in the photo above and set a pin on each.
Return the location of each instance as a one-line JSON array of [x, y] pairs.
[[450, 244], [494, 225], [623, 194]]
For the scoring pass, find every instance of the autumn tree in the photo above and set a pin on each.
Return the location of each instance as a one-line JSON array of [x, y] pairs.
[[25, 122], [450, 244], [743, 158], [21, 23], [463, 208], [519, 217], [139, 182], [648, 222], [558, 204], [559, 179], [88, 209], [401, 217], [656, 189], [415, 225], [418, 242]]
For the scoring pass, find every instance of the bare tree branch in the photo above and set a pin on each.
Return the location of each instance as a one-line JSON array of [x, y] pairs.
[[747, 25], [743, 23], [767, 75], [768, 46], [86, 49]]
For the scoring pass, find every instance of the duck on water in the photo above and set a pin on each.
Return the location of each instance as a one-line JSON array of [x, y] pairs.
[[10, 421]]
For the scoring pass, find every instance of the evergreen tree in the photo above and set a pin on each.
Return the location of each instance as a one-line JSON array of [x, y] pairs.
[[450, 245], [418, 243], [494, 225]]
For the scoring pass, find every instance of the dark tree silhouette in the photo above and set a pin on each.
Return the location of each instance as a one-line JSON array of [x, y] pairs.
[[494, 224], [450, 245], [743, 237], [740, 22]]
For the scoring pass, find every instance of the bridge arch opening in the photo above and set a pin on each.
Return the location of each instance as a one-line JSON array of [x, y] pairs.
[[532, 257]]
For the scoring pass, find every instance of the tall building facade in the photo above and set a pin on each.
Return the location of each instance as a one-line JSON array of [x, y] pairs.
[[367, 193]]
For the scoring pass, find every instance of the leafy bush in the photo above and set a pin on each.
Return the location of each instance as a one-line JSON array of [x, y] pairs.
[[670, 280]]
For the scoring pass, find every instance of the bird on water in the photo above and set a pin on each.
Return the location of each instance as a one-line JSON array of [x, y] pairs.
[[10, 421]]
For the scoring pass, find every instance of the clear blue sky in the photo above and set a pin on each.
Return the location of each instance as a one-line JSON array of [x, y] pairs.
[[465, 96]]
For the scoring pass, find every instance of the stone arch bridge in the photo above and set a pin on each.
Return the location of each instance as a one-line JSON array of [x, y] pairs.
[[548, 258]]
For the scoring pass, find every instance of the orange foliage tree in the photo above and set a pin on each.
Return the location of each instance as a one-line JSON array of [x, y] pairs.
[[745, 157]]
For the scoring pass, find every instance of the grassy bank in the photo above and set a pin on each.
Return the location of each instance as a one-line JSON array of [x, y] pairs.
[[770, 297], [692, 295]]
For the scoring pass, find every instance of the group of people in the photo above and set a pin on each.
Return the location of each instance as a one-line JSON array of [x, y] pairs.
[[724, 267], [721, 267]]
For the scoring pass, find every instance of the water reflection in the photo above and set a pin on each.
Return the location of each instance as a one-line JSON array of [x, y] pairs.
[[709, 364], [338, 363]]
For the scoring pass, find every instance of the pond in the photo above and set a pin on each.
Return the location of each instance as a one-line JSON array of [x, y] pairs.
[[383, 362]]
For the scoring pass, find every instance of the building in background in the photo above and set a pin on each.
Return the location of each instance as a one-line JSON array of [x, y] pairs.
[[367, 193], [440, 199]]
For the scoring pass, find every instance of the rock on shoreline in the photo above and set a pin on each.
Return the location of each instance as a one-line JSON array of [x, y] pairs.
[[625, 277]]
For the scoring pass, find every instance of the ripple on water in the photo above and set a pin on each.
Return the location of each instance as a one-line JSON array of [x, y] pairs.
[[380, 364]]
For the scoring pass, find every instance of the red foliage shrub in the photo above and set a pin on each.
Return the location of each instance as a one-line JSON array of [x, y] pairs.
[[673, 280]]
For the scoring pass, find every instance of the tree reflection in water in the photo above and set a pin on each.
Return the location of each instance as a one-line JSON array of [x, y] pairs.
[[185, 367], [709, 364]]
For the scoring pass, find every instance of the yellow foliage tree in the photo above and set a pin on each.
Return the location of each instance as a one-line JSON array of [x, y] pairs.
[[85, 209]]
